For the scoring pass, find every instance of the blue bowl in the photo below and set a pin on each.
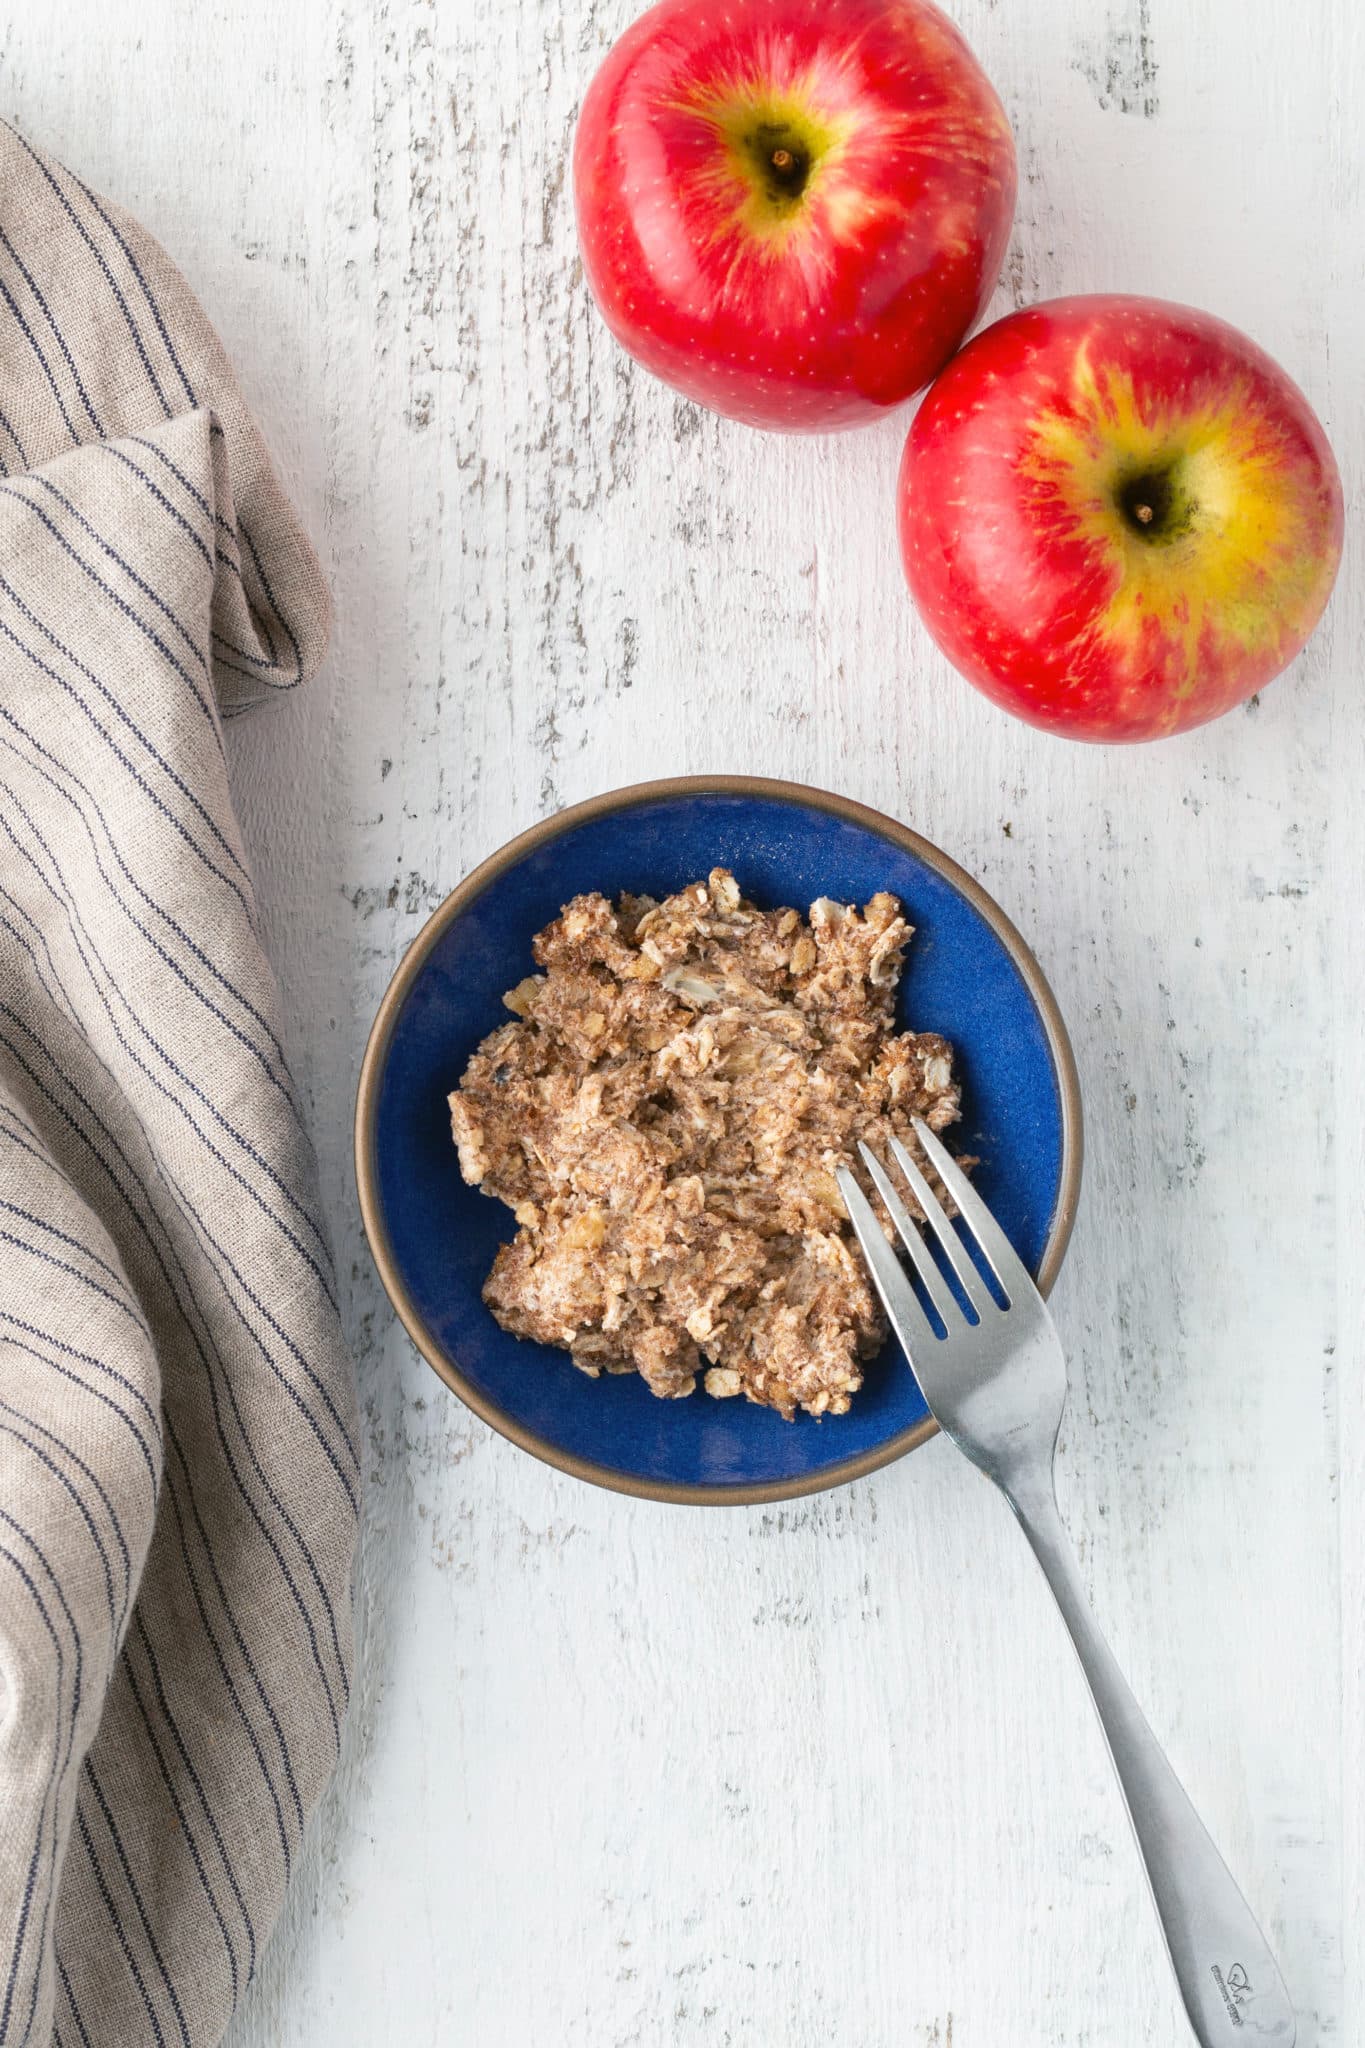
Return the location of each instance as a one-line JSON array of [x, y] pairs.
[[968, 975]]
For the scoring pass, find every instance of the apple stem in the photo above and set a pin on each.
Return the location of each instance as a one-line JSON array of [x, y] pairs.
[[1143, 513], [782, 160]]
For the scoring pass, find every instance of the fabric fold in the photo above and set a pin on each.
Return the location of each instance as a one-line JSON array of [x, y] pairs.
[[179, 1480]]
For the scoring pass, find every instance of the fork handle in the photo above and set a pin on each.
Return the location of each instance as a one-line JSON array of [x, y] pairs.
[[1229, 1981]]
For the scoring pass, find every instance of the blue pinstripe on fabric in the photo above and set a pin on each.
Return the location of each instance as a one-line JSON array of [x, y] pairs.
[[92, 1780], [223, 665], [73, 512], [87, 808], [63, 1236], [203, 1615], [120, 1931], [192, 397], [116, 1620], [43, 1223], [71, 2001], [152, 305], [13, 1323], [280, 618], [14, 436], [239, 1640], [222, 526], [90, 675], [265, 662], [187, 1761], [317, 1261], [33, 1251], [182, 1818], [26, 1536], [76, 927], [196, 539], [259, 619], [187, 1296], [40, 301], [285, 1846], [277, 1503], [31, 338], [175, 823], [220, 640], [190, 488], [17, 1435], [69, 210]]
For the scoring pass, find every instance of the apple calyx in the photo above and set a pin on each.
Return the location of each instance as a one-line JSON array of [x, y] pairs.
[[1153, 503], [772, 147], [783, 161]]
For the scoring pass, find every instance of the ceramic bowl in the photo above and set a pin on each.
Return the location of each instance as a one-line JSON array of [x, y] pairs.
[[968, 974]]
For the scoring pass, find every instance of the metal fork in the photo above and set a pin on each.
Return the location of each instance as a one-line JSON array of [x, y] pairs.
[[996, 1384]]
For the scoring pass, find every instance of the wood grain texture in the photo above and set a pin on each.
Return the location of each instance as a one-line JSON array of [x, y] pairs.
[[618, 1774]]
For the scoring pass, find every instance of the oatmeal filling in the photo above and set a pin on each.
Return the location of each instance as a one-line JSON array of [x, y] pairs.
[[664, 1114]]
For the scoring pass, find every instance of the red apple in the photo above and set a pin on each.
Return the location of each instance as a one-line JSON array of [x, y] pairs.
[[1118, 517], [793, 210]]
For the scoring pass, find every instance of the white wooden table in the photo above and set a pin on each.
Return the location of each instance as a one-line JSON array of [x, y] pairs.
[[619, 1774]]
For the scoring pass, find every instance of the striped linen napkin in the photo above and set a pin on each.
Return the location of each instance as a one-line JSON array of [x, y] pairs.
[[178, 1468]]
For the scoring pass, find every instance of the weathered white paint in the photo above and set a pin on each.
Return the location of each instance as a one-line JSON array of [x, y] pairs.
[[619, 1774]]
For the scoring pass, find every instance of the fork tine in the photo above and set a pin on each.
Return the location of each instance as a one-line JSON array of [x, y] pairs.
[[973, 1286], [908, 1319], [935, 1286], [1004, 1261]]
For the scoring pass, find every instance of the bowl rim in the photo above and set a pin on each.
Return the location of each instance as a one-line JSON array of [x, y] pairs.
[[631, 796]]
